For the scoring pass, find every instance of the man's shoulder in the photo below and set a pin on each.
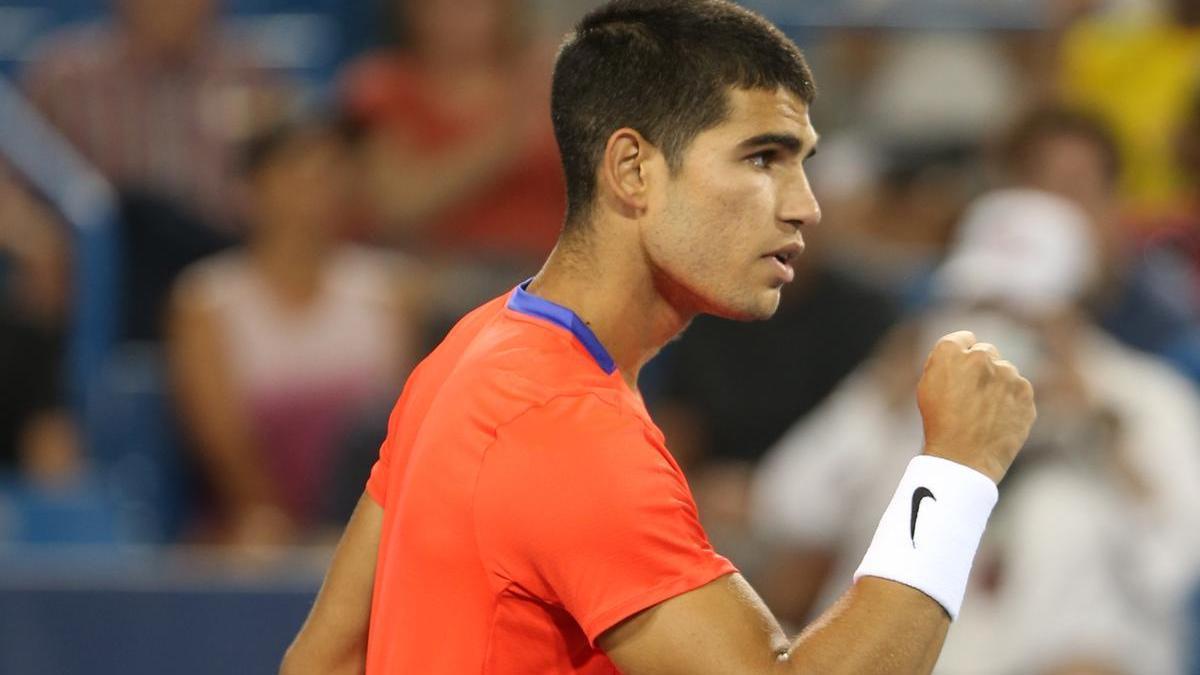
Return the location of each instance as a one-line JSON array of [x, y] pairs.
[[513, 366], [496, 342]]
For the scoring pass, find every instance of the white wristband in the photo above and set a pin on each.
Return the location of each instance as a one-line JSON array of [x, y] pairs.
[[929, 533]]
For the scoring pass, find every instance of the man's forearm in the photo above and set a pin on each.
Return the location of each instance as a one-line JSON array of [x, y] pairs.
[[877, 626], [297, 662], [333, 640]]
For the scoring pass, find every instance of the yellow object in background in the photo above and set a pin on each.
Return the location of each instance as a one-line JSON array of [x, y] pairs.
[[1141, 79]]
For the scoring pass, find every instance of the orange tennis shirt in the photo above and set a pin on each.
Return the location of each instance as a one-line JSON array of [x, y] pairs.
[[529, 503]]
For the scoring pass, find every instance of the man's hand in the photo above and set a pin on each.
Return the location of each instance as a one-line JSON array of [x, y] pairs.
[[976, 407]]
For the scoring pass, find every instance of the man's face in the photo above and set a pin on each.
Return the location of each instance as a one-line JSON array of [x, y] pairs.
[[727, 224]]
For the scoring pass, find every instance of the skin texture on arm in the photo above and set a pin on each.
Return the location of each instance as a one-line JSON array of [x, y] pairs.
[[333, 640], [878, 626]]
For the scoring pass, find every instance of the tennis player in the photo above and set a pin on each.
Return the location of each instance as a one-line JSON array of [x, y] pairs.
[[525, 516]]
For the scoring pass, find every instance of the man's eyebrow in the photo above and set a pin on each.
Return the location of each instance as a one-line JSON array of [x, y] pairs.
[[789, 142]]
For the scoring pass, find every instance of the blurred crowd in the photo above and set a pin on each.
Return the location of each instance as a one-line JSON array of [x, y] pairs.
[[288, 251]]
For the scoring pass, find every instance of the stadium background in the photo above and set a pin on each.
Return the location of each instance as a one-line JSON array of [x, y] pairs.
[[120, 551]]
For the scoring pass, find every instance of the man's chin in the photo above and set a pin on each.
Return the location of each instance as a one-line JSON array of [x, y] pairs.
[[757, 308]]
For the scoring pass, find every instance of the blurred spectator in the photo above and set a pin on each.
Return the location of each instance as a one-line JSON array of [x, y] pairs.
[[1091, 551], [1138, 75], [278, 348], [157, 100], [459, 146], [932, 89], [1145, 296], [37, 438], [890, 226]]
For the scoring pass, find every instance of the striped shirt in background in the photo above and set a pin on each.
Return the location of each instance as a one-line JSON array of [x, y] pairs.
[[170, 129]]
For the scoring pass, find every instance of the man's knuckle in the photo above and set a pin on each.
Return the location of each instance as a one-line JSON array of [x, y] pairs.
[[946, 344], [979, 358]]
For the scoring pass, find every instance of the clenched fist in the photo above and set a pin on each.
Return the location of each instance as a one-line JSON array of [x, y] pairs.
[[976, 407]]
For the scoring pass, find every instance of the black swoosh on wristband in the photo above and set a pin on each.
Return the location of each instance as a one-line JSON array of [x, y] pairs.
[[918, 494]]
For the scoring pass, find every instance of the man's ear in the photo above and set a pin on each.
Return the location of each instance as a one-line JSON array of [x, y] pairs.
[[625, 171]]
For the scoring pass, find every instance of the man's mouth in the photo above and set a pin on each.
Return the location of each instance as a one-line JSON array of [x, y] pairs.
[[783, 257], [787, 253]]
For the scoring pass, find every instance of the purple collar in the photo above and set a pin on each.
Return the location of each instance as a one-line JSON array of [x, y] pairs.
[[529, 304]]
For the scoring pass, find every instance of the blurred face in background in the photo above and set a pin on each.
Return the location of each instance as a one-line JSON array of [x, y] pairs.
[[1074, 167], [1077, 167], [302, 188], [168, 29], [460, 31]]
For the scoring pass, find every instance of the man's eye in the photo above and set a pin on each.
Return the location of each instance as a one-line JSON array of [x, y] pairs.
[[762, 160]]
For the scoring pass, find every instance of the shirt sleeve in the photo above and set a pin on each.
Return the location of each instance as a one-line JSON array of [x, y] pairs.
[[377, 482], [578, 506]]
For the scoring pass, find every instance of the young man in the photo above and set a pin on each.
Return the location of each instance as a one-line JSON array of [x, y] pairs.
[[525, 515]]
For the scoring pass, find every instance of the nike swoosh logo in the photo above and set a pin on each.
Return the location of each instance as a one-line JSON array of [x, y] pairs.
[[918, 494]]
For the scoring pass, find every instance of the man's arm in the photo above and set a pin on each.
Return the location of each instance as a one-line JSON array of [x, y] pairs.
[[977, 411], [878, 626], [333, 640]]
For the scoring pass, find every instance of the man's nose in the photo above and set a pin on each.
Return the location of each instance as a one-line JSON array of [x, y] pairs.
[[798, 205]]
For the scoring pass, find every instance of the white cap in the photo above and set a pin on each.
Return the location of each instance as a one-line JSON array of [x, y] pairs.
[[1028, 250], [939, 86]]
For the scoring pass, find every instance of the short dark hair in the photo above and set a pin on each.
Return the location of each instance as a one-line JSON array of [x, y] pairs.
[[664, 68], [1055, 120]]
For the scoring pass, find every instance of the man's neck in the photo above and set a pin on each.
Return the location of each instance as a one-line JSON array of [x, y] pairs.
[[614, 292]]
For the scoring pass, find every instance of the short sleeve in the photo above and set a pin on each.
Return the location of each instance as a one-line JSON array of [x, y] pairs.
[[377, 482], [579, 506]]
